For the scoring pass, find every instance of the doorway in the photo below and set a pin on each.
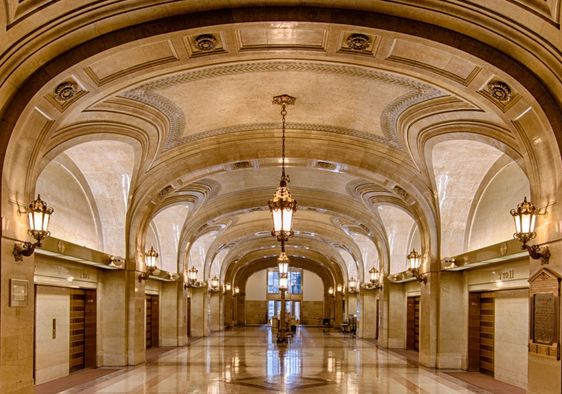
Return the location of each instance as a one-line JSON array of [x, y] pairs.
[[413, 324], [481, 325], [82, 336], [152, 321]]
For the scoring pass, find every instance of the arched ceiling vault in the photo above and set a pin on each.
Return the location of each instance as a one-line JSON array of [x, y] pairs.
[[361, 133]]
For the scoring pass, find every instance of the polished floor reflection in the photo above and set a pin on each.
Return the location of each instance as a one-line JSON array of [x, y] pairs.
[[246, 360]]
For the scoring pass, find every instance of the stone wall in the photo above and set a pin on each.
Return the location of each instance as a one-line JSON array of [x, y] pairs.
[[256, 312], [312, 312]]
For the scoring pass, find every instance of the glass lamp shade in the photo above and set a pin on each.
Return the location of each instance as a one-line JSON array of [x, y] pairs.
[[236, 290], [227, 287], [38, 216], [283, 282], [151, 257], [374, 275], [331, 290], [282, 207], [283, 264], [352, 284], [192, 274], [414, 260], [215, 282], [525, 216], [339, 288]]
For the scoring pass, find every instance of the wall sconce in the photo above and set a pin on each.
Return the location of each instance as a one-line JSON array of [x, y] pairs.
[[150, 262], [525, 218], [192, 279], [414, 264], [352, 286], [339, 288], [236, 291], [38, 215], [227, 287], [214, 284], [331, 291], [374, 279]]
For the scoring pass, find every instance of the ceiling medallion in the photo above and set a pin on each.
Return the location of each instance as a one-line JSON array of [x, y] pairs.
[[66, 91], [206, 42], [500, 91], [358, 41]]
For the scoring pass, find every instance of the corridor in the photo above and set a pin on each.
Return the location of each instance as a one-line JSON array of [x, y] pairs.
[[245, 360]]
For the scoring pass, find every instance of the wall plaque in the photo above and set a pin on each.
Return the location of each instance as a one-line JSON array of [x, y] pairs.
[[544, 290], [18, 292]]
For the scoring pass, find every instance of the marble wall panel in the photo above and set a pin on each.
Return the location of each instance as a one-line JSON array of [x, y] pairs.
[[312, 312], [256, 312], [511, 337]]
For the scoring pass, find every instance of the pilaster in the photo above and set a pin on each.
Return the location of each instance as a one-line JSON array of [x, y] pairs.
[[199, 312]]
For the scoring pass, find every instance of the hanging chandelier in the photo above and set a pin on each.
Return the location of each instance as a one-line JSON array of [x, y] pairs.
[[283, 206]]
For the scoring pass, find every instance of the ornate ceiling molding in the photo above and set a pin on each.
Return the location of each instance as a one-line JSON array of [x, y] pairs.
[[419, 92]]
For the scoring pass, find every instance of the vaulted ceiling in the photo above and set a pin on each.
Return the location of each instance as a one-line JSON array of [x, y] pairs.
[[170, 138]]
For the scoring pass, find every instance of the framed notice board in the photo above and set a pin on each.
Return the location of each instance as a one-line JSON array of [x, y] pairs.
[[544, 308]]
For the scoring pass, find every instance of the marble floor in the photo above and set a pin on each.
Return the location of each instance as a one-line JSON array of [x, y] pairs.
[[247, 360]]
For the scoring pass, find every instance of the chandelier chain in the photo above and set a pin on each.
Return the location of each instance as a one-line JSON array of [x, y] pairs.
[[283, 115]]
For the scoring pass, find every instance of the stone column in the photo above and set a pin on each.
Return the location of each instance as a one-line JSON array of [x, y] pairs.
[[16, 324], [215, 304], [199, 312], [393, 316], [368, 321], [241, 309], [545, 374], [221, 311], [228, 306], [136, 316], [112, 292], [429, 310], [453, 312], [352, 301], [171, 314], [338, 310]]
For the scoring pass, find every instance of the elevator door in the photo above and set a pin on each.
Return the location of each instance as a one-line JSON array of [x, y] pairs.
[[151, 321], [82, 329], [413, 324], [481, 325], [487, 323]]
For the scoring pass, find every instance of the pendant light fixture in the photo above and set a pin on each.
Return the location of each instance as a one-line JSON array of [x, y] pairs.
[[283, 206]]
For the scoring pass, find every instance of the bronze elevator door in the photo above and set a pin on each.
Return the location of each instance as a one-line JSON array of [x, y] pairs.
[[487, 323], [481, 322], [152, 321], [82, 329], [413, 324]]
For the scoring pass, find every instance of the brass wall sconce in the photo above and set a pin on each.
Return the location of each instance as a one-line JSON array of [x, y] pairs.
[[151, 267], [374, 280], [339, 288], [352, 286], [214, 285], [414, 264], [236, 291], [192, 279], [38, 216], [525, 218], [227, 287], [331, 291]]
